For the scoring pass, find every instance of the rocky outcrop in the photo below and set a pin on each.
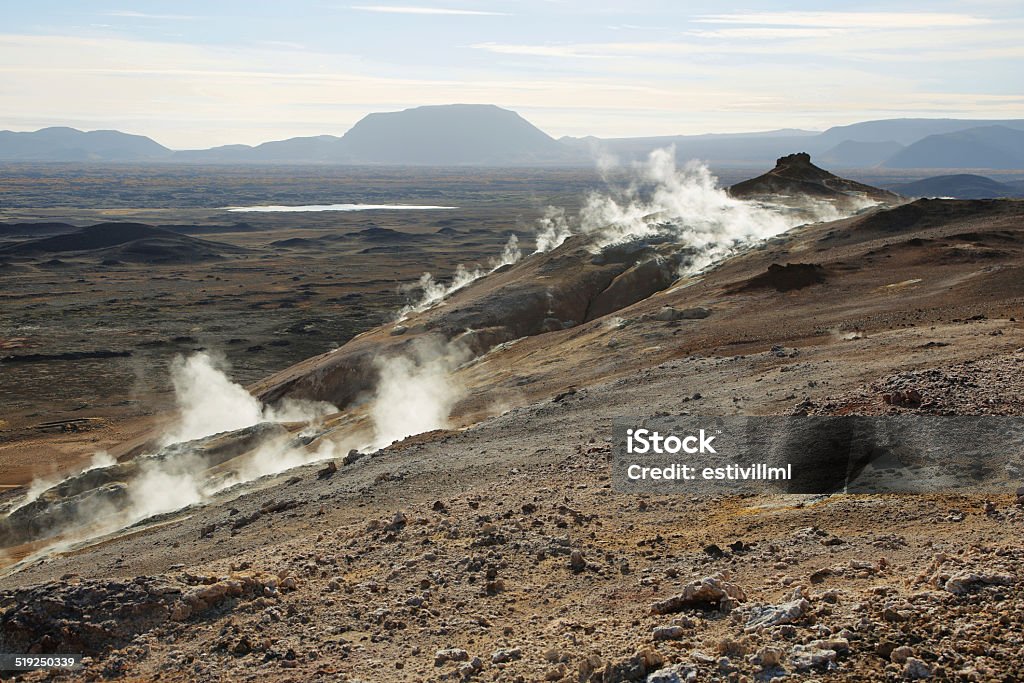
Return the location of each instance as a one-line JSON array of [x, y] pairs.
[[92, 617], [796, 175], [639, 282]]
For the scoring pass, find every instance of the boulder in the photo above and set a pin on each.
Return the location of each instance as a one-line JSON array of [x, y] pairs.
[[711, 592], [765, 616]]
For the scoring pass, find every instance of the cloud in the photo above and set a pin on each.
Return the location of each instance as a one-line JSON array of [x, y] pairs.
[[884, 20], [447, 11], [592, 50], [769, 33], [128, 14], [557, 51], [853, 45]]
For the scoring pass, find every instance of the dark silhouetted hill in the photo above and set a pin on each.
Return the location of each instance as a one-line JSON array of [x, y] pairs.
[[315, 149], [36, 229], [794, 174], [483, 134], [133, 242], [445, 135]]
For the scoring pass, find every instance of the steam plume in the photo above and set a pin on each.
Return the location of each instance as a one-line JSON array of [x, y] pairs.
[[182, 472], [416, 392], [685, 205], [509, 255], [434, 292], [210, 403], [40, 485], [552, 229]]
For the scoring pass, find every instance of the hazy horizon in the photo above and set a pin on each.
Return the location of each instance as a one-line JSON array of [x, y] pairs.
[[193, 75], [340, 134]]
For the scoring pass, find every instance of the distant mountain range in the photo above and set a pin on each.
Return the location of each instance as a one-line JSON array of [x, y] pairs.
[[486, 135], [70, 144], [960, 186], [860, 153], [997, 147], [892, 143]]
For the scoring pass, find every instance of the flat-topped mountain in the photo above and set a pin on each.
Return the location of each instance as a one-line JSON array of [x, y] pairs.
[[452, 134]]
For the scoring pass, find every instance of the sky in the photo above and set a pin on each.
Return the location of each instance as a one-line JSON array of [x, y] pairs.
[[198, 74]]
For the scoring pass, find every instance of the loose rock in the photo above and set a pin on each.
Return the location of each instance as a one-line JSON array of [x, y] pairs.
[[450, 655]]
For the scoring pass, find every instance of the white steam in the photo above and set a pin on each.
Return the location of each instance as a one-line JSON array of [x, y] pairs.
[[298, 410], [210, 403], [416, 392], [685, 202], [685, 205], [41, 484], [275, 456], [180, 474], [509, 255], [434, 292], [552, 229], [162, 487]]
